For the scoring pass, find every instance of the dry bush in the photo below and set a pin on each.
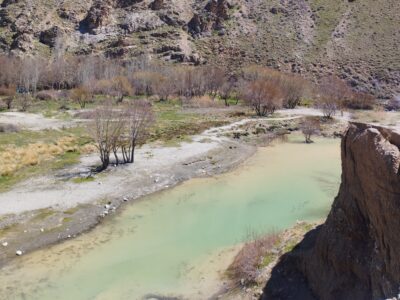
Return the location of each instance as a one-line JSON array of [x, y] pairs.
[[24, 101], [145, 81], [118, 87], [81, 95], [14, 158], [333, 94], [360, 100], [309, 127], [47, 95], [245, 267], [293, 88], [263, 96]]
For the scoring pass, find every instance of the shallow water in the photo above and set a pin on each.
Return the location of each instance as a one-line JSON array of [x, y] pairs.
[[171, 242]]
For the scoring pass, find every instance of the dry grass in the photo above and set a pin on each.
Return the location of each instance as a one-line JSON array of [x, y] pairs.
[[15, 158], [201, 102], [245, 267]]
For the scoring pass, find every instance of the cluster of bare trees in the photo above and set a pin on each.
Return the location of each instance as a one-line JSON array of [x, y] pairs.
[[119, 130], [333, 94], [87, 76], [267, 90], [263, 89]]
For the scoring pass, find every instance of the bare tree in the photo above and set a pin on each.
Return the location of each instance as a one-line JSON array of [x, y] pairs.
[[310, 127], [332, 95], [81, 95], [29, 76], [139, 117], [227, 91], [165, 87], [106, 128], [263, 96], [293, 89]]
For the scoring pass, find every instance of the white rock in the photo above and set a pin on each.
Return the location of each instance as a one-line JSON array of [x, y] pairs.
[[105, 212], [107, 206], [18, 252], [4, 244], [69, 236], [125, 199], [41, 229]]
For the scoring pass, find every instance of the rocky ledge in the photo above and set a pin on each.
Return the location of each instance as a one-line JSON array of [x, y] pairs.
[[356, 253]]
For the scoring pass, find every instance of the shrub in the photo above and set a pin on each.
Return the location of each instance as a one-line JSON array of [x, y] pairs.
[[47, 95], [263, 96], [245, 267], [360, 100], [309, 127], [81, 96]]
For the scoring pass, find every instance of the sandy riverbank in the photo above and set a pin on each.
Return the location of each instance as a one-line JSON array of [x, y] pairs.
[[48, 209]]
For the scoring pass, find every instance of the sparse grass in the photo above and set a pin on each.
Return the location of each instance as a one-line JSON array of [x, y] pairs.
[[83, 179], [174, 125], [43, 214]]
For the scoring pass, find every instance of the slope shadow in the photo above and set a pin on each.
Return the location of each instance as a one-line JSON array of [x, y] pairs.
[[287, 282]]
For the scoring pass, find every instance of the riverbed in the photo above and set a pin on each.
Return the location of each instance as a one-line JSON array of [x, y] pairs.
[[178, 242]]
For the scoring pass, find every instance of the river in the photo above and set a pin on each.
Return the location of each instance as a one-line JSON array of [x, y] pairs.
[[177, 241]]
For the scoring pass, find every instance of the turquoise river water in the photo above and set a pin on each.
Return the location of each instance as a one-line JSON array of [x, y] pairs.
[[178, 241]]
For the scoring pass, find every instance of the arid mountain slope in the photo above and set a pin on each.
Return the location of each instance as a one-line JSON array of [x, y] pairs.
[[356, 253], [357, 40]]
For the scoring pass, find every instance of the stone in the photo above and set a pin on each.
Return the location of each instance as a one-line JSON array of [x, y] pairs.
[[4, 244], [18, 253]]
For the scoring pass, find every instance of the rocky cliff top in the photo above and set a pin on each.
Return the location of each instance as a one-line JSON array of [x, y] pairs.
[[356, 40], [356, 253]]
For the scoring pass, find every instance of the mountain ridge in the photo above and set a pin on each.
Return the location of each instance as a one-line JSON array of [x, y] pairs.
[[356, 41]]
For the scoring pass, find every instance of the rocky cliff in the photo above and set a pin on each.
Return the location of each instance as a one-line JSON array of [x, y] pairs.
[[356, 253], [355, 40]]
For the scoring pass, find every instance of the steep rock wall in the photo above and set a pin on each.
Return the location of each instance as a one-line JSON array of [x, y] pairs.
[[356, 253]]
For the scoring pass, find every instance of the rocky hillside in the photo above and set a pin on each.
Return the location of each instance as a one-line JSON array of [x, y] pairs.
[[356, 253], [356, 40]]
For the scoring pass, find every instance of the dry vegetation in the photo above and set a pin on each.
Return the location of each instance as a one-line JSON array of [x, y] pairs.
[[244, 270], [110, 92]]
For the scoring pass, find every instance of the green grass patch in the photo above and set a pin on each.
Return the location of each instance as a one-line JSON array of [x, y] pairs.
[[269, 258]]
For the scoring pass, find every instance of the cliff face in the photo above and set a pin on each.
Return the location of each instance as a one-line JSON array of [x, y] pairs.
[[356, 253]]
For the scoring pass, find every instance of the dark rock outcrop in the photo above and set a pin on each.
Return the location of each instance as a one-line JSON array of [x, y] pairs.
[[49, 36], [356, 253], [98, 16]]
